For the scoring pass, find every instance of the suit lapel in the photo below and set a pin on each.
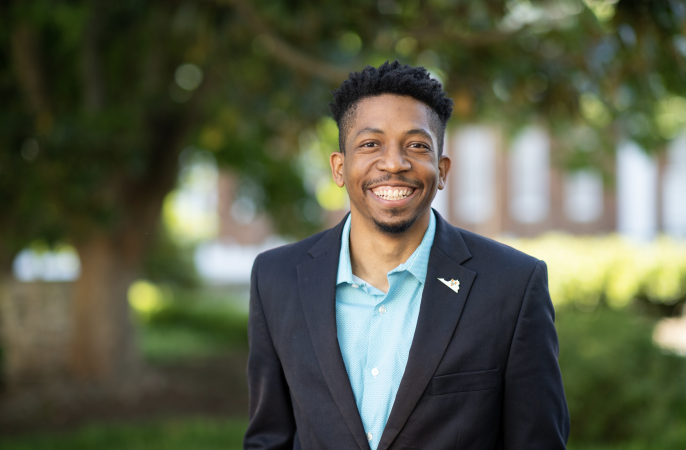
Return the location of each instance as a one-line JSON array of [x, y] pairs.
[[317, 284], [439, 314]]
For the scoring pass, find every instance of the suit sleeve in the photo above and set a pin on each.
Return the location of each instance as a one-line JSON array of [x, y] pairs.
[[272, 424], [535, 414]]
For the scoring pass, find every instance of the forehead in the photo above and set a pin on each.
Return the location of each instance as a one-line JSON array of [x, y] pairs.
[[390, 110]]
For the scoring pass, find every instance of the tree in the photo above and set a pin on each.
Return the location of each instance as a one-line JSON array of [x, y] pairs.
[[99, 99], [102, 98]]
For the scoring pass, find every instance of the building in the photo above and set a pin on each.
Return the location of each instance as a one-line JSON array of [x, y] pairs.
[[513, 188]]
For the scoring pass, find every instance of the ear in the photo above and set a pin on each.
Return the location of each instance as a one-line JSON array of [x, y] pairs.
[[336, 160], [443, 170]]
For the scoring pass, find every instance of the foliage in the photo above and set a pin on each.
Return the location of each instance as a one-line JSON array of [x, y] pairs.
[[100, 97], [621, 390], [173, 434], [316, 145], [169, 262], [588, 270], [163, 345], [178, 323], [623, 393]]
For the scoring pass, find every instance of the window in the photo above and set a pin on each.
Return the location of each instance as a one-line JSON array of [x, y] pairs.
[[583, 196], [674, 188], [636, 192], [530, 176], [474, 167]]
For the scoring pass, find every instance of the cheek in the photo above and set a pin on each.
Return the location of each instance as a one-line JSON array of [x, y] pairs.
[[356, 171], [429, 174]]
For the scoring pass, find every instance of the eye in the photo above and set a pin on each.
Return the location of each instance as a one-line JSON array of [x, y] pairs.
[[368, 145], [419, 145]]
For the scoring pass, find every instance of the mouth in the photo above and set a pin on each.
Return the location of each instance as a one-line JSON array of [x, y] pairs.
[[393, 193]]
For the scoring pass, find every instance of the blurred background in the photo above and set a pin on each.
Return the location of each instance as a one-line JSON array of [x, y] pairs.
[[149, 150]]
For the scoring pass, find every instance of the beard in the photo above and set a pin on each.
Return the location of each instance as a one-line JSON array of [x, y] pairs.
[[395, 228]]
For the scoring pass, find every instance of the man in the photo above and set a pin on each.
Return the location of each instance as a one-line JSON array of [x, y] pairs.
[[395, 330]]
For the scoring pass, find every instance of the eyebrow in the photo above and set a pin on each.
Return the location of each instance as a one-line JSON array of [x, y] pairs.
[[369, 130], [420, 132]]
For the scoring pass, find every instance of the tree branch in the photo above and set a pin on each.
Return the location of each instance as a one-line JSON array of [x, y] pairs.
[[284, 52]]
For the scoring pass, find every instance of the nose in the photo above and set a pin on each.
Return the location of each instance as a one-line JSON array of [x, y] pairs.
[[393, 160]]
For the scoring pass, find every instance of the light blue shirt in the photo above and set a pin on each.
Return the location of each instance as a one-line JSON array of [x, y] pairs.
[[375, 330]]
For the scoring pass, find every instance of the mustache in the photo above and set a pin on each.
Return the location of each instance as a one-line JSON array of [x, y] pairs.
[[412, 183]]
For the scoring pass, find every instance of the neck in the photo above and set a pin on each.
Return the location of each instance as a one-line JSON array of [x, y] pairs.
[[374, 253]]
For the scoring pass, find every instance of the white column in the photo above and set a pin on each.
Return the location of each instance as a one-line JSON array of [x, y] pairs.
[[636, 192], [674, 188], [474, 173], [530, 176]]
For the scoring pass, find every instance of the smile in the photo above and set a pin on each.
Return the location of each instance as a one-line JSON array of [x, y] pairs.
[[393, 192]]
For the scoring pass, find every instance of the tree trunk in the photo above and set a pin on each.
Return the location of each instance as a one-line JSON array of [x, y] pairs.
[[104, 339], [103, 345]]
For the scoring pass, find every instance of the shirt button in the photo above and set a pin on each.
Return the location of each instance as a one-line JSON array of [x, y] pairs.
[[375, 371], [355, 286], [370, 437], [382, 309]]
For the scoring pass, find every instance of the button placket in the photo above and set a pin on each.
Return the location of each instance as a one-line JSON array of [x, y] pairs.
[[374, 354], [377, 371]]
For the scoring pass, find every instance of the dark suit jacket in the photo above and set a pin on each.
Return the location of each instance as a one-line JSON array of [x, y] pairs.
[[482, 371]]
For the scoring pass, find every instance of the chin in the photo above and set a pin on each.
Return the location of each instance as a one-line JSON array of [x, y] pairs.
[[395, 227]]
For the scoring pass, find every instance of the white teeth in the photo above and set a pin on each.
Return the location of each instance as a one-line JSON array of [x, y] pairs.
[[393, 194]]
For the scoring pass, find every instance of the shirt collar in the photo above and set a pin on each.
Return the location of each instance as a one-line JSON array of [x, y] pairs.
[[416, 264]]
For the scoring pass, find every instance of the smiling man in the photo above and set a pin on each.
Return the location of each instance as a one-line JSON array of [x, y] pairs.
[[394, 329]]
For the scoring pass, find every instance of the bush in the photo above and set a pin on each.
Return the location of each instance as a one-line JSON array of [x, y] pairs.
[[171, 263], [176, 324], [586, 271], [223, 323], [620, 388], [195, 434]]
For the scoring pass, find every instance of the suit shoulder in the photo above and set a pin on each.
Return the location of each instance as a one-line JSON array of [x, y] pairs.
[[496, 251]]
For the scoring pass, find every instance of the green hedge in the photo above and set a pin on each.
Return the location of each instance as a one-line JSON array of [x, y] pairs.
[[186, 434], [586, 271], [176, 324], [620, 388]]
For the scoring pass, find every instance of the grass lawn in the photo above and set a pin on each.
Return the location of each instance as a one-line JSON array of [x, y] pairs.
[[173, 434]]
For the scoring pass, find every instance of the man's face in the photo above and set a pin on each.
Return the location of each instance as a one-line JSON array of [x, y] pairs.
[[391, 167]]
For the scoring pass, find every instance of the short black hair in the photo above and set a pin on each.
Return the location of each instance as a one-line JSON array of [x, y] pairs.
[[391, 78]]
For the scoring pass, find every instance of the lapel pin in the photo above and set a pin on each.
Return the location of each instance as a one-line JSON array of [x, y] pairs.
[[452, 284]]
